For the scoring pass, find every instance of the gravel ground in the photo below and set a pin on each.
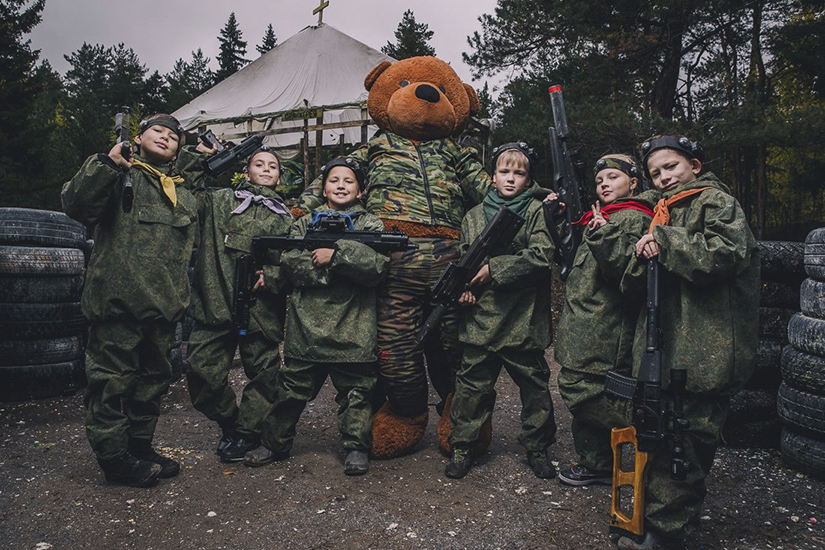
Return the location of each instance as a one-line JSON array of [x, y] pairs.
[[53, 496]]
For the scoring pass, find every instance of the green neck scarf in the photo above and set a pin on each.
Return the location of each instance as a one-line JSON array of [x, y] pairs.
[[518, 204]]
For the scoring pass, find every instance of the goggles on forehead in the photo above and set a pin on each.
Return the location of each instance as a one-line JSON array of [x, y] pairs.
[[144, 124], [352, 164], [520, 146], [692, 149], [618, 164]]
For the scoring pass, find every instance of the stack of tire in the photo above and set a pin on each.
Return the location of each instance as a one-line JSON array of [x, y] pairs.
[[42, 331], [801, 398], [753, 419]]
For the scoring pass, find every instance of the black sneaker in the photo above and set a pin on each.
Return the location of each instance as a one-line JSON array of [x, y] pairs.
[[578, 475], [223, 443], [459, 465], [237, 449], [142, 450], [263, 456], [357, 463], [128, 470], [541, 465]]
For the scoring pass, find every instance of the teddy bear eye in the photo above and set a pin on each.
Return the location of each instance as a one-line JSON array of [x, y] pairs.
[[443, 90], [403, 83]]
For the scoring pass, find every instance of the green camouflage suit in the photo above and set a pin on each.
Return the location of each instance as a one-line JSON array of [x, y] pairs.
[[508, 326], [225, 237], [330, 331], [709, 284], [136, 289], [597, 326], [422, 189]]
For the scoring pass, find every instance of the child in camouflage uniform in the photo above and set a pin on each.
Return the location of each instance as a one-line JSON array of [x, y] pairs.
[[230, 218], [507, 320], [136, 290], [601, 306], [331, 326], [709, 309]]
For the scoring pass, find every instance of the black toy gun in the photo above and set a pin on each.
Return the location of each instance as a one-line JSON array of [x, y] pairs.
[[568, 183], [322, 235], [653, 425], [227, 155], [122, 133], [493, 240], [246, 274]]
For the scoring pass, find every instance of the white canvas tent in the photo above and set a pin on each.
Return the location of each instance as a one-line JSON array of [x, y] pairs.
[[310, 87]]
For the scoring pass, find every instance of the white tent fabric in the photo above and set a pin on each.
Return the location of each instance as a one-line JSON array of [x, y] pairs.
[[318, 67]]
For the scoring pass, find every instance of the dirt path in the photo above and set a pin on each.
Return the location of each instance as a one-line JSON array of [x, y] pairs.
[[53, 496]]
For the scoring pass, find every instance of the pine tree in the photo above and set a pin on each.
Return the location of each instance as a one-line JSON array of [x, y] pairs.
[[87, 84], [189, 80], [410, 39], [268, 42], [232, 49]]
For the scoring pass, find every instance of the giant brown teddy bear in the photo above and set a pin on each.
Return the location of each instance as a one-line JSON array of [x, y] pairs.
[[419, 181]]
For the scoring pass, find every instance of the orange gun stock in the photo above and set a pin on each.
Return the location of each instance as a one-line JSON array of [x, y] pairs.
[[620, 438]]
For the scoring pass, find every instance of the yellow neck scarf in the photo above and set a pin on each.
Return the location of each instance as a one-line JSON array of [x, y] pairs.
[[661, 214], [167, 182]]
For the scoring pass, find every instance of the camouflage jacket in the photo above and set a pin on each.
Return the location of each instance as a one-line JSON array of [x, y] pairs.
[[332, 315], [603, 295], [514, 310], [710, 290], [138, 269], [225, 237], [424, 183]]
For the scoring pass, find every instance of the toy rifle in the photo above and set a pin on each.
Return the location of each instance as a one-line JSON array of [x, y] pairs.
[[324, 234], [493, 240], [653, 425], [122, 133], [568, 178], [227, 155]]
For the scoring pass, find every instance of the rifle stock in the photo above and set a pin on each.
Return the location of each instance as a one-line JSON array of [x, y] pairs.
[[494, 239], [653, 425]]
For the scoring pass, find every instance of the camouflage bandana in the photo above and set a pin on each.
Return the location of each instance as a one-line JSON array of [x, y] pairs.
[[618, 164]]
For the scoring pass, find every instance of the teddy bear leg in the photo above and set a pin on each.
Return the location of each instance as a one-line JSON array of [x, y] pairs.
[[395, 435], [485, 436]]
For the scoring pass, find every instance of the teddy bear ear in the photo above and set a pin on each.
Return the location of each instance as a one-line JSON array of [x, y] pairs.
[[475, 105], [375, 73]]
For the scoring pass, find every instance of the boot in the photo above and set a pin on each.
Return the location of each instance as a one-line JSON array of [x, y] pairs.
[[263, 456], [127, 470], [142, 450], [459, 465], [238, 448], [357, 463], [541, 465]]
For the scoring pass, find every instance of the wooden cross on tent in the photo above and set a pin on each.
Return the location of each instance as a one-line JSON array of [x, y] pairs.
[[320, 10]]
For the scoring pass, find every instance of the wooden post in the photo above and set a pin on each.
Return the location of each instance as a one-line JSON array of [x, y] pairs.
[[365, 117], [341, 145], [305, 151], [319, 141]]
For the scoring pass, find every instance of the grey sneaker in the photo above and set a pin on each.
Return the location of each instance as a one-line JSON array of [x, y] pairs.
[[578, 475], [651, 541], [459, 465]]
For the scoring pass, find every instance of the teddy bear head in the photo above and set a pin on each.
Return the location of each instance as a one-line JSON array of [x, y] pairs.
[[419, 98]]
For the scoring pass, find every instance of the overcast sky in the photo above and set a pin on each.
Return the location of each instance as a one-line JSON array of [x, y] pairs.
[[162, 31]]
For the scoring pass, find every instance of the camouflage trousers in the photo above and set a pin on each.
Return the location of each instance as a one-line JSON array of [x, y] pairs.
[[672, 508], [475, 396], [210, 354], [404, 302], [127, 373], [299, 383], [595, 414]]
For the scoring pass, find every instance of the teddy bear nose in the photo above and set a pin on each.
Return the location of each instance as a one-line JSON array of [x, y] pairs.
[[427, 93]]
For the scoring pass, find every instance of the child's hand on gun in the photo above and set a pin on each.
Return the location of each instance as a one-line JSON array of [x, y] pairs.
[[647, 247], [467, 298], [321, 257], [116, 154], [260, 283]]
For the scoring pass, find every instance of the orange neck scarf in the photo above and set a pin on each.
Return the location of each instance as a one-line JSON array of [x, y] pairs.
[[661, 212]]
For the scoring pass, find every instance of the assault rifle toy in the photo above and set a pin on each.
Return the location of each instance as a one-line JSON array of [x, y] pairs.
[[122, 133], [654, 426], [229, 155], [493, 240], [568, 183], [322, 235]]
